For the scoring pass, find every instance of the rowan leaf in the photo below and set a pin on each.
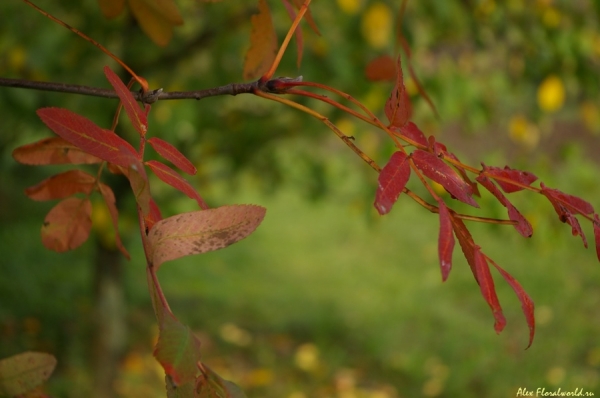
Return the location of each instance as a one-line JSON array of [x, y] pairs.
[[526, 303], [202, 231], [397, 107], [263, 43], [62, 185], [109, 198], [170, 176], [466, 244], [111, 8], [575, 204], [156, 18], [23, 372], [437, 170], [153, 215], [504, 177], [307, 16], [172, 154], [177, 350], [488, 290], [446, 240], [67, 225], [52, 150], [441, 151], [410, 130], [382, 68], [597, 234], [522, 225], [135, 113], [86, 135], [210, 385], [392, 180]]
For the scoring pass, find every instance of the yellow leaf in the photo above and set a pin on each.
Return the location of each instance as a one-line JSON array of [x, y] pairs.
[[349, 6], [376, 25], [111, 8], [263, 43], [522, 132], [156, 18], [551, 94]]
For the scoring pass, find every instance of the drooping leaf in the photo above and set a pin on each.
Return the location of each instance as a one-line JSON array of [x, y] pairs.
[[67, 225], [172, 154], [466, 243], [522, 225], [505, 175], [86, 135], [156, 18], [488, 290], [263, 43], [397, 107], [52, 150], [109, 199], [437, 170], [177, 350], [111, 8], [307, 16], [202, 231], [526, 303], [171, 177], [297, 33], [597, 234], [23, 372], [210, 385], [62, 185], [392, 180], [382, 68], [135, 113], [445, 240], [441, 151], [575, 204], [138, 179]]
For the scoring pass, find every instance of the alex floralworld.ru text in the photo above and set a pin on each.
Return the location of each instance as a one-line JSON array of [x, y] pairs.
[[542, 392]]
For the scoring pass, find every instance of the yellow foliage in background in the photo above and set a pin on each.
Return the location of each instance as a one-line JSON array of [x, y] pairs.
[[349, 6], [551, 94], [376, 25], [523, 132]]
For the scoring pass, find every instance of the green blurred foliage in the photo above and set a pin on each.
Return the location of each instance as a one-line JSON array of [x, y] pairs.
[[326, 299]]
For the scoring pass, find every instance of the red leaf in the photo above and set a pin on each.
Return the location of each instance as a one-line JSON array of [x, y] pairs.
[[597, 234], [67, 225], [466, 244], [488, 290], [523, 226], [392, 180], [134, 111], [86, 135], [382, 68], [575, 204], [504, 176], [138, 179], [307, 16], [202, 231], [62, 186], [437, 170], [410, 130], [441, 151], [263, 43], [170, 176], [109, 199], [526, 302], [153, 215], [172, 154], [53, 150], [397, 107], [445, 241], [297, 33]]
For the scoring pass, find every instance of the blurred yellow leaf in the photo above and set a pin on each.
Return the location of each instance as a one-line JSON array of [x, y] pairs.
[[551, 94], [376, 25], [307, 357], [522, 132], [551, 17], [156, 18], [111, 8], [591, 116], [349, 6]]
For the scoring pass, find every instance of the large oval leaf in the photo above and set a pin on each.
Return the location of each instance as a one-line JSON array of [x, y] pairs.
[[24, 372]]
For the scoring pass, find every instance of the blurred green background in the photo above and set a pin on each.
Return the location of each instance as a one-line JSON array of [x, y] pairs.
[[326, 298]]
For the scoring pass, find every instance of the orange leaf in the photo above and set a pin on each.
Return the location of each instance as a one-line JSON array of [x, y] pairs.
[[397, 107], [202, 231], [67, 225], [62, 185], [307, 16], [263, 43], [53, 150], [111, 8], [156, 18]]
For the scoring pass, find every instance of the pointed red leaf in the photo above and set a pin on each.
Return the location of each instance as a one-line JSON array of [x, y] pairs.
[[67, 225], [597, 234], [445, 241], [526, 303], [263, 43], [109, 199], [153, 215], [410, 130], [392, 180], [466, 244], [397, 107], [504, 176], [202, 231], [307, 16], [573, 203], [171, 177], [522, 226], [53, 150], [382, 68], [62, 185], [172, 154], [488, 290], [441, 151], [437, 170], [85, 134], [135, 113], [297, 33]]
